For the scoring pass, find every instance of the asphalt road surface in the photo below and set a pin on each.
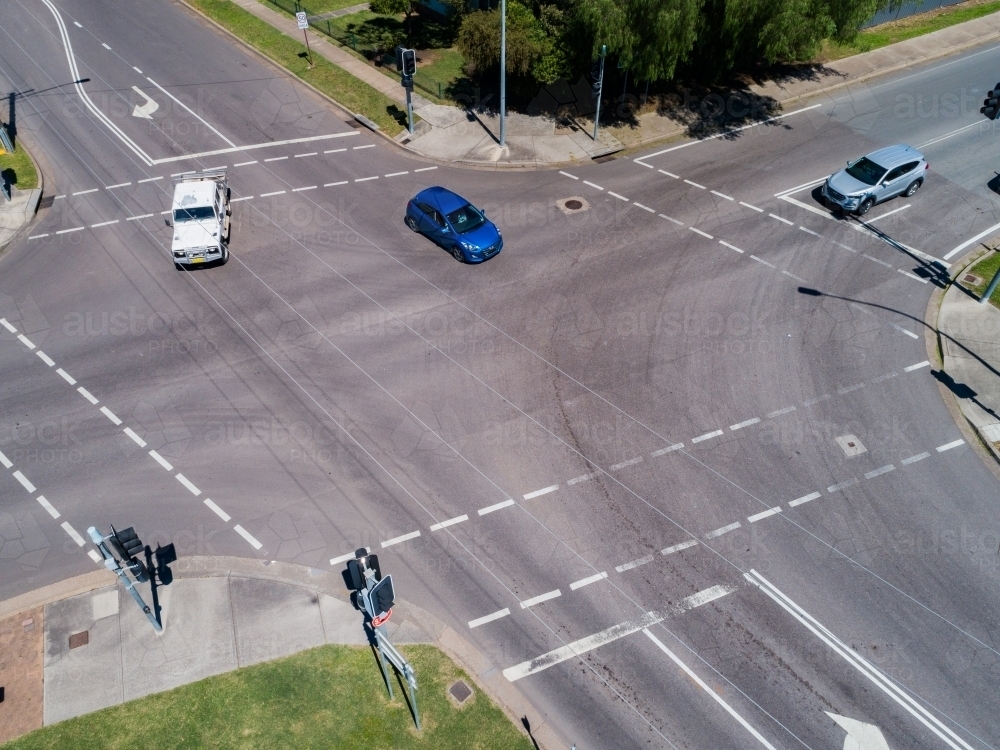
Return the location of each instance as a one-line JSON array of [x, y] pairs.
[[676, 462]]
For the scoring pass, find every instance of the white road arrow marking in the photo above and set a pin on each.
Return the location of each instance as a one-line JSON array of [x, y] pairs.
[[146, 110], [860, 736]]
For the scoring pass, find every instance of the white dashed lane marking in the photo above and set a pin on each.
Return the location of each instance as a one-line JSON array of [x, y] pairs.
[[369, 145], [804, 499], [703, 234], [366, 179], [841, 486], [303, 189], [73, 533], [400, 539], [488, 618], [161, 461], [668, 449], [585, 182], [248, 536], [449, 522], [65, 376], [24, 481], [949, 446], [494, 508], [786, 221], [587, 581], [769, 265], [706, 436], [880, 471], [25, 340], [695, 184], [668, 174], [778, 413], [747, 205], [721, 195], [87, 395], [911, 334], [741, 425], [187, 483], [914, 459], [225, 516], [634, 563], [679, 547], [67, 231], [764, 514], [84, 192], [110, 415], [619, 197], [5, 461], [424, 169], [723, 530], [731, 247], [48, 506], [539, 493], [917, 366], [138, 440], [623, 464], [540, 598]]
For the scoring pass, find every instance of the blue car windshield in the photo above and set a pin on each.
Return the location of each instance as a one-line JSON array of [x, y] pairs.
[[866, 171], [466, 219], [194, 214]]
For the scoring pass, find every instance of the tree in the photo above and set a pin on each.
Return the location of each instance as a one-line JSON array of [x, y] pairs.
[[395, 8], [479, 39]]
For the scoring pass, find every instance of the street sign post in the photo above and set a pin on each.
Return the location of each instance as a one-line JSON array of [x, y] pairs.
[[303, 22], [127, 544]]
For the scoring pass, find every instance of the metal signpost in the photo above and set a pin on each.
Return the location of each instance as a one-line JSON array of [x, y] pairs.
[[406, 64], [303, 22], [598, 85], [127, 544], [376, 597]]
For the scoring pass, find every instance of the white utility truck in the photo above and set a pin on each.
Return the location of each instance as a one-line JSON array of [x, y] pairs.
[[201, 218]]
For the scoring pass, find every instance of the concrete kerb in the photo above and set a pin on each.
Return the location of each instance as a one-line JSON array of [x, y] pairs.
[[426, 628]]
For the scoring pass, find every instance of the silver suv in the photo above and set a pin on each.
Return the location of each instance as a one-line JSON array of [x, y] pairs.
[[882, 174]]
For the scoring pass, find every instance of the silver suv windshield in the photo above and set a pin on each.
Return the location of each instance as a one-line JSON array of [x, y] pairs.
[[866, 171], [198, 213]]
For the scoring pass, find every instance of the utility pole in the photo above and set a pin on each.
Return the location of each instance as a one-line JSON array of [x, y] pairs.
[[503, 73], [598, 85], [127, 544]]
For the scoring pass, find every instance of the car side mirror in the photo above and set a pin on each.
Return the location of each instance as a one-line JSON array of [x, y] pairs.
[[167, 222]]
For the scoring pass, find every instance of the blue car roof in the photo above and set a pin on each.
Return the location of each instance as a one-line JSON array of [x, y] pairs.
[[446, 200]]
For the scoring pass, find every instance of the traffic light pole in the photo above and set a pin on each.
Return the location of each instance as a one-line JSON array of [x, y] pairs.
[[409, 107], [600, 90], [503, 73], [114, 565]]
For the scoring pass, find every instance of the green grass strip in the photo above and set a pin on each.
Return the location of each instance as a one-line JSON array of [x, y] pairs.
[[985, 269], [351, 92], [19, 169], [329, 697]]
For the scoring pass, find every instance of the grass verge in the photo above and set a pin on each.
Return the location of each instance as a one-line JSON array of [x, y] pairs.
[[327, 697], [985, 269], [18, 167], [907, 28], [351, 92]]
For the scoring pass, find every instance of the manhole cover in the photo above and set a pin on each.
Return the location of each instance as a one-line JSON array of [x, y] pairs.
[[574, 205], [460, 691], [79, 639], [971, 278], [851, 445]]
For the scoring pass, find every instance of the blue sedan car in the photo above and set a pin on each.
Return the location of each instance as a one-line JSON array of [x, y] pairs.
[[455, 224]]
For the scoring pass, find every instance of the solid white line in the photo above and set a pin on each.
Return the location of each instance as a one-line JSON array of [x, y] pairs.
[[303, 189], [678, 547], [623, 464], [917, 366], [593, 185], [135, 438], [276, 192], [758, 210], [669, 174], [187, 483], [248, 536], [786, 221], [311, 153], [644, 208], [764, 514], [7, 325], [973, 241], [706, 436], [804, 499], [703, 234], [449, 522], [492, 508], [866, 668], [668, 449], [809, 231], [539, 493], [540, 598], [247, 163], [87, 395], [887, 213], [567, 174], [217, 510], [695, 184], [396, 174], [584, 478], [74, 535], [803, 186], [880, 472], [65, 376], [619, 197], [151, 179], [769, 265], [723, 530], [424, 169], [880, 262], [110, 415], [24, 481], [587, 581], [949, 446], [370, 145], [366, 179], [120, 184], [709, 691], [842, 485], [778, 413], [813, 209], [84, 192], [5, 461], [580, 647], [634, 563], [488, 618], [741, 425], [911, 334], [914, 459], [721, 195], [25, 340], [136, 218], [334, 184], [792, 275], [668, 218], [48, 506], [731, 247], [67, 231], [940, 138], [254, 146], [104, 224], [400, 539], [161, 461], [38, 236]]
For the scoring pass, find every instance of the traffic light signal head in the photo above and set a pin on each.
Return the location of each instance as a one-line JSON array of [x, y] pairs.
[[991, 105], [382, 597], [409, 58], [399, 58], [127, 542]]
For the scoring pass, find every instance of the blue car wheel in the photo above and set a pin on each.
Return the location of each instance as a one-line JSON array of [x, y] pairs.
[[457, 252]]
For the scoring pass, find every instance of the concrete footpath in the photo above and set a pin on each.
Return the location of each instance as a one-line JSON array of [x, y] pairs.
[[17, 212], [469, 136], [968, 334], [82, 644]]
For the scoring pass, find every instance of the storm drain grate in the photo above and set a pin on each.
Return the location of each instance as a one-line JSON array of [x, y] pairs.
[[79, 639]]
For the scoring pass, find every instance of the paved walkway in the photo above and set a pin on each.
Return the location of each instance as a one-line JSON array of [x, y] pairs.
[[82, 644], [17, 212]]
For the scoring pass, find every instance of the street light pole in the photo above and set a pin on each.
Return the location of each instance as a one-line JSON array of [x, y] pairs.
[[600, 87], [503, 73]]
